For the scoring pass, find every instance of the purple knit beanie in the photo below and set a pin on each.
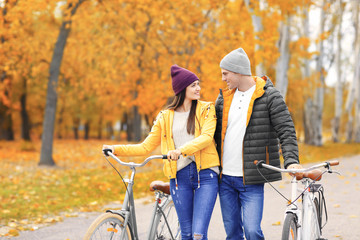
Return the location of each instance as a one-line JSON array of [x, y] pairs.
[[181, 78]]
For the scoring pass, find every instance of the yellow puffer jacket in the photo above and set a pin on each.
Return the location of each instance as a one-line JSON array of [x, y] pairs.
[[202, 146]]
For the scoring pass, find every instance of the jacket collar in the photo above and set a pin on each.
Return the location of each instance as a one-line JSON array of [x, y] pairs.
[[261, 84]]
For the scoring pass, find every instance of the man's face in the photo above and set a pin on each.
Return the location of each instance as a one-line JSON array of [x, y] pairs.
[[232, 79]]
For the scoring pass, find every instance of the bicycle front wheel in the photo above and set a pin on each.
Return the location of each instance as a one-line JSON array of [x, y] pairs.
[[168, 227], [109, 226], [290, 227]]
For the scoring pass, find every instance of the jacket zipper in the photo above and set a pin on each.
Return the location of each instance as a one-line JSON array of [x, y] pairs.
[[243, 160]]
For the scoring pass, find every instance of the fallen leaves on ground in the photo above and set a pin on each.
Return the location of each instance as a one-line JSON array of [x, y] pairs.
[[82, 181]]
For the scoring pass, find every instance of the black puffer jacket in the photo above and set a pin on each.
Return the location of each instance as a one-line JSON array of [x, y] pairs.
[[270, 122]]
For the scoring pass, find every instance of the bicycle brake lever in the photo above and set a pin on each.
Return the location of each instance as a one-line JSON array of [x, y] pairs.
[[333, 171], [106, 151], [259, 163]]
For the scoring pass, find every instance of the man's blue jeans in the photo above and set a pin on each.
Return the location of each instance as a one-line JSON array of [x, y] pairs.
[[241, 208], [194, 205]]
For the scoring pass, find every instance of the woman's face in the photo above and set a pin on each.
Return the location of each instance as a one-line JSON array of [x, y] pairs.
[[193, 91]]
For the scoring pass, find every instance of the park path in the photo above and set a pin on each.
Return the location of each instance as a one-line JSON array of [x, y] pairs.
[[342, 197]]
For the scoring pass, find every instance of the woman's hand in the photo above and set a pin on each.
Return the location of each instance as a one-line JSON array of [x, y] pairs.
[[174, 155], [111, 147]]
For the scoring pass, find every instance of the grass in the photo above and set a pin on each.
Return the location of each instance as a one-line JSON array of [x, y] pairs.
[[83, 180], [309, 154]]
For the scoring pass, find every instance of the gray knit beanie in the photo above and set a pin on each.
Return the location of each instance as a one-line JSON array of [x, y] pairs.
[[236, 61]]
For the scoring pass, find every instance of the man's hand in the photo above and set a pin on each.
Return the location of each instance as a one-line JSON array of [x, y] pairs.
[[296, 166], [174, 155]]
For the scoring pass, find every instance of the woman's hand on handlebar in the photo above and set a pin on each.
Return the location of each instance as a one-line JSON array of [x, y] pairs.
[[111, 147], [174, 155]]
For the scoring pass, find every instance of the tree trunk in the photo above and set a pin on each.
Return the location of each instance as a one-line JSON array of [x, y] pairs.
[[354, 91], [25, 121], [282, 65], [339, 84], [59, 123], [76, 124], [86, 130], [307, 121], [51, 96], [357, 109], [100, 128], [258, 28], [6, 131], [109, 130], [137, 124], [129, 128], [133, 122], [315, 107]]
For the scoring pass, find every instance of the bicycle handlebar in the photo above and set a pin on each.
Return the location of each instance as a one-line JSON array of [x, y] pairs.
[[108, 152], [310, 172], [302, 170]]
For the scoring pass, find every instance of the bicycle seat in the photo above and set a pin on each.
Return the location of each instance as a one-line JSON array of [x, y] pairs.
[[160, 186], [315, 175]]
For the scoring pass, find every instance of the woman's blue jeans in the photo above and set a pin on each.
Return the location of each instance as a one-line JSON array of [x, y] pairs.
[[241, 208], [194, 205]]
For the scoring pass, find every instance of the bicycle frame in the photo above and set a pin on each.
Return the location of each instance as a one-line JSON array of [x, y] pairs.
[[128, 207], [308, 211]]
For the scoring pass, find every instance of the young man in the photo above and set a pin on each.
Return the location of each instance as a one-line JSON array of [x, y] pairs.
[[251, 119]]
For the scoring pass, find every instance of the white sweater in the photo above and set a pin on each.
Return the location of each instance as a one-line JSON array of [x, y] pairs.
[[181, 137]]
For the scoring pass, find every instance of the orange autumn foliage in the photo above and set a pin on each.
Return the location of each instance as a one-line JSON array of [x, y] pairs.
[[118, 54]]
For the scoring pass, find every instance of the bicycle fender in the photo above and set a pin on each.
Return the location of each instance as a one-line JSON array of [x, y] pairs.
[[118, 212], [122, 214]]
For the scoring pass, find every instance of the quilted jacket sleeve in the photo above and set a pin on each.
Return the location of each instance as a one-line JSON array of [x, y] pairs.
[[283, 124], [219, 104]]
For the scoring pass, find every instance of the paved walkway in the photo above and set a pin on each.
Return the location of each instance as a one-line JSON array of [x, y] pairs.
[[342, 197]]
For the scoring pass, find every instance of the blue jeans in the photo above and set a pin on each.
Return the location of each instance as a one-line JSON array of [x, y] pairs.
[[194, 205], [241, 208]]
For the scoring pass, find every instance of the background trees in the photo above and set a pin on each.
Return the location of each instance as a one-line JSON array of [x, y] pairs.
[[114, 76]]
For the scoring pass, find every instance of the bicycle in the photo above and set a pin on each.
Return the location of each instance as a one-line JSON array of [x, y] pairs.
[[305, 223], [121, 224]]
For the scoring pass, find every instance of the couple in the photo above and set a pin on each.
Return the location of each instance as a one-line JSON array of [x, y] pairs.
[[249, 118]]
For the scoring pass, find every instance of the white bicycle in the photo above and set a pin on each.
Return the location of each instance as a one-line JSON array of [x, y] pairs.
[[304, 220]]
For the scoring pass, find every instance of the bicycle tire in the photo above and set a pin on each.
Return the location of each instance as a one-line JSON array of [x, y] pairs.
[[162, 230], [108, 226], [290, 228]]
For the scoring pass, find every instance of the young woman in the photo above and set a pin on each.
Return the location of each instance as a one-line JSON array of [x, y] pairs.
[[185, 132]]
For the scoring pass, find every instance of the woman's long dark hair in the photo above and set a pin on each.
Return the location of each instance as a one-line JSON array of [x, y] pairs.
[[177, 102]]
